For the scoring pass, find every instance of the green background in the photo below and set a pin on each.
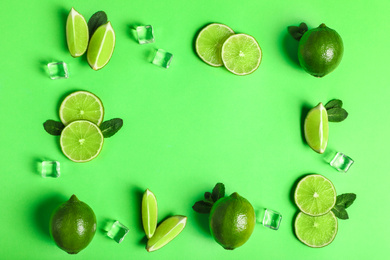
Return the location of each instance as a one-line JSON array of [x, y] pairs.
[[190, 126]]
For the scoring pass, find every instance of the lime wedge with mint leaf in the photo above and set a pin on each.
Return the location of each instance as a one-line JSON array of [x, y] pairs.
[[149, 213], [77, 35], [316, 128], [315, 195], [101, 46]]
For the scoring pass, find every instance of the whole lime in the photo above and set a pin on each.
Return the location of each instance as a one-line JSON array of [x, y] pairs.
[[232, 220], [320, 51], [73, 225]]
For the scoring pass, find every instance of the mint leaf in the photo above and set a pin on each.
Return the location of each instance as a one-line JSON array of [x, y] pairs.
[[218, 192], [111, 127], [346, 199], [337, 114], [96, 20], [297, 31], [340, 212], [53, 127], [207, 196], [334, 103], [202, 207]]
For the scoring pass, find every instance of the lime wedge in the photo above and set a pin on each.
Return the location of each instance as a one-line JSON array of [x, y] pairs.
[[149, 213], [101, 46], [81, 141], [316, 128], [315, 195], [165, 232], [81, 105], [209, 43], [76, 33], [241, 54], [316, 231]]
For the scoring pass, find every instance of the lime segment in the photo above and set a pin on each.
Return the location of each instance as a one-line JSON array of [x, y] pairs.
[[315, 195], [76, 33], [81, 105], [149, 213], [241, 54], [316, 231], [209, 43], [101, 46], [81, 141], [316, 128]]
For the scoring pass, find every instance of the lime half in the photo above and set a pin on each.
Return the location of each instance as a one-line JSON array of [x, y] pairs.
[[81, 141], [101, 46], [81, 105], [316, 128], [316, 231], [76, 33], [149, 213], [241, 54], [209, 43], [315, 195]]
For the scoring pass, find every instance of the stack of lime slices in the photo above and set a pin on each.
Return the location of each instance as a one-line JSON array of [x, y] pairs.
[[218, 45], [316, 224]]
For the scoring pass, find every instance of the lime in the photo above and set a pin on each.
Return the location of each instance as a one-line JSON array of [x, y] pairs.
[[101, 46], [81, 105], [209, 43], [149, 213], [315, 195], [76, 33], [316, 128], [320, 51], [165, 232], [73, 225], [316, 231], [241, 54], [81, 141], [232, 221]]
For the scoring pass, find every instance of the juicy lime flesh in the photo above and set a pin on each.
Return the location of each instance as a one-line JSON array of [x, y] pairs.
[[232, 221], [77, 36], [101, 46], [241, 54], [81, 105], [149, 213], [81, 141], [166, 231], [316, 128], [320, 51], [209, 43], [316, 231], [315, 195]]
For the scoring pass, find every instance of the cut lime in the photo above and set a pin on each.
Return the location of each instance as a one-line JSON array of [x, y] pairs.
[[101, 46], [316, 231], [316, 128], [209, 43], [241, 54], [81, 141], [165, 232], [315, 195], [81, 105], [149, 213], [76, 33]]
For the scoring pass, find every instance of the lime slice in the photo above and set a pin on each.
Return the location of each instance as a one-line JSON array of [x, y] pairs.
[[76, 33], [101, 46], [81, 105], [316, 128], [149, 213], [315, 195], [209, 43], [316, 231], [241, 54], [81, 141], [165, 232]]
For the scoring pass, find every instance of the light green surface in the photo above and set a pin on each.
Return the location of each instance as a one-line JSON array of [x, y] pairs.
[[192, 125]]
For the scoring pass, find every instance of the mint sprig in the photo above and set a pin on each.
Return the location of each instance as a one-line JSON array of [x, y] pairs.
[[343, 201], [297, 31], [204, 206], [111, 127], [97, 19], [53, 127], [335, 111]]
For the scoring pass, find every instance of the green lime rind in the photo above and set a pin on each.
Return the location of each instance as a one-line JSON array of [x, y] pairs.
[[316, 231], [316, 128], [149, 213], [77, 35], [166, 231], [315, 195]]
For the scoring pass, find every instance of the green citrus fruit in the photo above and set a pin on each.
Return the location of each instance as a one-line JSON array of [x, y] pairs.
[[320, 50], [73, 225], [232, 221], [316, 128], [149, 213], [77, 35]]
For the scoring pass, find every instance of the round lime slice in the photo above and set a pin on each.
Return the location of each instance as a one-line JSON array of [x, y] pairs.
[[81, 105], [77, 35], [241, 54], [315, 195], [101, 46], [149, 213], [316, 128], [209, 42], [81, 141], [316, 231]]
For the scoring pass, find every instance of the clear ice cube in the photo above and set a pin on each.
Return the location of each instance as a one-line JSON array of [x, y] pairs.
[[144, 34], [117, 231], [162, 58], [58, 70], [269, 218], [49, 169], [341, 162]]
